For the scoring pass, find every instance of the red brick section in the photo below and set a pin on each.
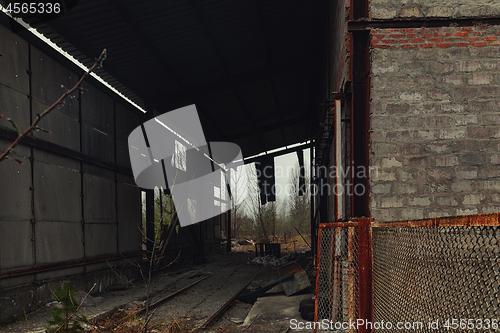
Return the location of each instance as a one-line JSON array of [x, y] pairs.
[[434, 37]]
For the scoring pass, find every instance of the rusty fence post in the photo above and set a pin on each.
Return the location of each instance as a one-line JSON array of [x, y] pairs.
[[335, 274], [351, 273], [365, 271], [318, 253]]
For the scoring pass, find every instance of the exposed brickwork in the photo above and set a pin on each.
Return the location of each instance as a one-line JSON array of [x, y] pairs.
[[443, 37], [435, 122]]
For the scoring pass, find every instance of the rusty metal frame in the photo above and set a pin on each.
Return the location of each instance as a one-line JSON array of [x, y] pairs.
[[338, 224], [334, 292], [477, 220], [317, 276], [351, 273], [365, 272], [420, 23], [364, 284], [364, 258]]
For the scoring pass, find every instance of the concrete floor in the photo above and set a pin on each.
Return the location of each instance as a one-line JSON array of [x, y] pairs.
[[229, 273], [274, 312]]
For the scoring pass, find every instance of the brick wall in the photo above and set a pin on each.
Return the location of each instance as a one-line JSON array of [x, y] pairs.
[[391, 9], [434, 117]]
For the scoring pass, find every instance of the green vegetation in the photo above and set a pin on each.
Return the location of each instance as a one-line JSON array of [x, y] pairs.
[[63, 318]]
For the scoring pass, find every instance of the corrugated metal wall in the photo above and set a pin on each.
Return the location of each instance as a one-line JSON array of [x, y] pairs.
[[58, 209], [73, 208]]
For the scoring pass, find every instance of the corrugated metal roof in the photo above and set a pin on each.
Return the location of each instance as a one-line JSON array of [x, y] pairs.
[[251, 67]]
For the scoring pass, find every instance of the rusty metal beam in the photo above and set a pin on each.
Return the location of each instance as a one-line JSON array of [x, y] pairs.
[[338, 224], [359, 9], [365, 273], [420, 23], [318, 262], [478, 220]]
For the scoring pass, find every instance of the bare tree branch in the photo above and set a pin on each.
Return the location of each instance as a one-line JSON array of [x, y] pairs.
[[97, 64]]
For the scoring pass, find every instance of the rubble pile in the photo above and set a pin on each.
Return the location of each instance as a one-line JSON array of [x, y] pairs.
[[270, 260]]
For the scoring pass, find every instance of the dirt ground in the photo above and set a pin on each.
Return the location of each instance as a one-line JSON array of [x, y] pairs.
[[217, 280]]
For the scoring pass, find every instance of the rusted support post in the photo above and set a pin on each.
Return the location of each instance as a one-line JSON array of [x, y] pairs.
[[318, 266], [335, 275], [352, 273], [365, 277]]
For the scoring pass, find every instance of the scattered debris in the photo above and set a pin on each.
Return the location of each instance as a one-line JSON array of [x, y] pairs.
[[300, 280], [273, 261], [251, 297], [89, 301], [238, 242], [122, 283]]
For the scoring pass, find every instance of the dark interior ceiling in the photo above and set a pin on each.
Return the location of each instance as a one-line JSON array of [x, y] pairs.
[[252, 67]]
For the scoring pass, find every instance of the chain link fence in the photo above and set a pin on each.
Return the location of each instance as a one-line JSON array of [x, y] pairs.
[[337, 283], [432, 275], [437, 279]]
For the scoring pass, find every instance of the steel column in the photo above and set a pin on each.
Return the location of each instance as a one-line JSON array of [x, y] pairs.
[[365, 278], [360, 67]]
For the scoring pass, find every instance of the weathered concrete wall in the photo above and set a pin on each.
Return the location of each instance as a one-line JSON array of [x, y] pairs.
[[398, 9], [435, 134]]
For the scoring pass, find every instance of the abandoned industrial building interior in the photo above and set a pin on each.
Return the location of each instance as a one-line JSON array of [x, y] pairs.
[[386, 110]]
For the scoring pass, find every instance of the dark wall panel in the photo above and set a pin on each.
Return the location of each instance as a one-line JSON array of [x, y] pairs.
[[97, 109], [64, 129], [126, 121], [15, 247], [57, 191], [48, 77], [15, 183], [100, 239], [122, 156], [58, 241], [14, 105], [129, 217], [97, 144], [14, 61], [99, 199]]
